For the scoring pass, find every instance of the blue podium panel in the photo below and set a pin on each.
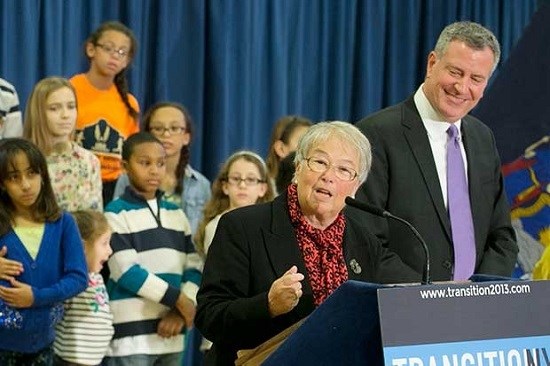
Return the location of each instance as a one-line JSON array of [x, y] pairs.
[[504, 323], [344, 330]]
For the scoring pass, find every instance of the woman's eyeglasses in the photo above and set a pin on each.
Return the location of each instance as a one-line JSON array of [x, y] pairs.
[[321, 165]]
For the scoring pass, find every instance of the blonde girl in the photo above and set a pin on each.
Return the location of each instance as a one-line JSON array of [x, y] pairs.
[[50, 119]]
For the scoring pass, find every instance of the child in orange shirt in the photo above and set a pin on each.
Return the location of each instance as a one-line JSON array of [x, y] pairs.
[[107, 112]]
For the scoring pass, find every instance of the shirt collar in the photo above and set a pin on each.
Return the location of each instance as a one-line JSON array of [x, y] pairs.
[[432, 121]]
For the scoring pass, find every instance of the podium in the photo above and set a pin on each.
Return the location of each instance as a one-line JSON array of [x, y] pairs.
[[485, 322]]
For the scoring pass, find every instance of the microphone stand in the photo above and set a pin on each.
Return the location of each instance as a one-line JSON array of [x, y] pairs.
[[383, 213], [426, 270]]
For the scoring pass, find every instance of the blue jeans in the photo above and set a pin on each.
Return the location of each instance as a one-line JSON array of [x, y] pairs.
[[168, 359]]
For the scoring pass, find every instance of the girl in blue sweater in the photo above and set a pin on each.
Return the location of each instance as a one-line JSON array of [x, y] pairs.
[[46, 243]]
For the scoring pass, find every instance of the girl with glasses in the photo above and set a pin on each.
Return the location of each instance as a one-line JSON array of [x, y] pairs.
[[172, 124], [242, 181], [107, 112]]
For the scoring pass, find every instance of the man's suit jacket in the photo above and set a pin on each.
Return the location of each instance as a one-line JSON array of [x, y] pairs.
[[404, 181], [253, 246]]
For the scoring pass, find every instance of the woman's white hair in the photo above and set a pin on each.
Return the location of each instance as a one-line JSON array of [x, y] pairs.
[[343, 131]]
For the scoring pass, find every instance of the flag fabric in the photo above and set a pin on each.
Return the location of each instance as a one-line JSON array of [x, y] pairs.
[[527, 184], [517, 108]]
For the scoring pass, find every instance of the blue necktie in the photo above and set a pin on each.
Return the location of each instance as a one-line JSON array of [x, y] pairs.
[[460, 213]]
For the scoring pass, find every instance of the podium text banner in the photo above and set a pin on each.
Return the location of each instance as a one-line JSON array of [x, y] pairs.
[[471, 324]]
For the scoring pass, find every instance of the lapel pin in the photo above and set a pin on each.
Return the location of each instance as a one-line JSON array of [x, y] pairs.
[[355, 267]]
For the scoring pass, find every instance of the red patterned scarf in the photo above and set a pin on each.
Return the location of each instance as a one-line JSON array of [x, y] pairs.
[[321, 250]]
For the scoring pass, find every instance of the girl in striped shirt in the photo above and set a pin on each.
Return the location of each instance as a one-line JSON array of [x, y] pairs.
[[84, 333]]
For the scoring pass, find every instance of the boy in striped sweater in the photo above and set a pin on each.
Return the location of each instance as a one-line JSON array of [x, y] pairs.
[[154, 269]]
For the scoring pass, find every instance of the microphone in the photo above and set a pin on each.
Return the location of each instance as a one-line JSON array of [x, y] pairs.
[[383, 213]]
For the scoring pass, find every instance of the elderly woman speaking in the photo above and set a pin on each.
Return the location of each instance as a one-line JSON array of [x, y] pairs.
[[271, 265]]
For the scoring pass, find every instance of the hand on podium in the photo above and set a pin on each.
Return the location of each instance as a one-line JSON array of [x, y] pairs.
[[285, 292]]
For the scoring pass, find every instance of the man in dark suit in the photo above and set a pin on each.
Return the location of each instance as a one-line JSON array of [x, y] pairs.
[[409, 172]]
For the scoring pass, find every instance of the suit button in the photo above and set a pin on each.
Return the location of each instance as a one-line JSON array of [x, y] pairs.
[[447, 264]]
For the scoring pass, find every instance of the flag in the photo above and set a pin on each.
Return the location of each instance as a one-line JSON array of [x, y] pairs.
[[517, 108], [527, 184]]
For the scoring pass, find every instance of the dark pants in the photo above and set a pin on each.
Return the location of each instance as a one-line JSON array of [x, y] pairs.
[[41, 358], [108, 191]]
